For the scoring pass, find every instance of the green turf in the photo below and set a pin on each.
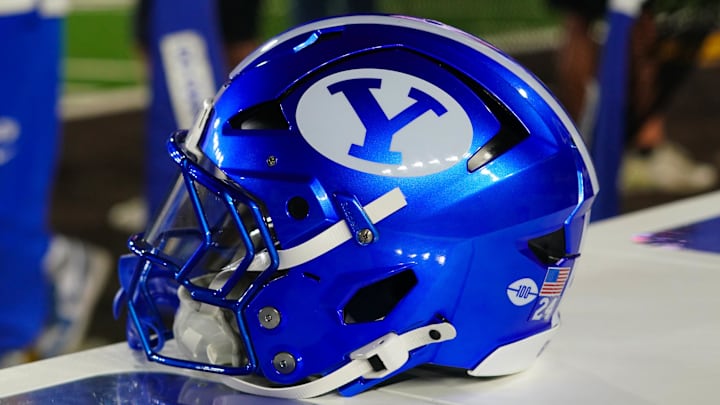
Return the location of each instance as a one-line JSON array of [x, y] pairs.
[[479, 17], [107, 34], [103, 34]]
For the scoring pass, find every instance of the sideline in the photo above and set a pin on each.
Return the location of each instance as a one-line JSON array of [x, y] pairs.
[[92, 5], [103, 70], [100, 103]]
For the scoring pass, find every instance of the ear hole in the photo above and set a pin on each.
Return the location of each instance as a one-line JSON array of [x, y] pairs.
[[298, 208], [375, 301]]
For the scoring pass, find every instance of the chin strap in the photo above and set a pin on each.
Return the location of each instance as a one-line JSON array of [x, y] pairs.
[[377, 359], [339, 233]]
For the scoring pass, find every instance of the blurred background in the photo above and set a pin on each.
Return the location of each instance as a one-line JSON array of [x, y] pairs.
[[105, 96]]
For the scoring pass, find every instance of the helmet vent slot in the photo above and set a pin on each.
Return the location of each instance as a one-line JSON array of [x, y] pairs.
[[311, 276], [511, 133], [549, 248], [263, 116], [375, 301]]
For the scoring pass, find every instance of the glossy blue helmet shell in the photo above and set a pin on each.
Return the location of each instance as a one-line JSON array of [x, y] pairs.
[[380, 178]]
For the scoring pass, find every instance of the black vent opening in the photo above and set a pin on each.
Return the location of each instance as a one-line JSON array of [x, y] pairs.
[[264, 116], [375, 301], [549, 248], [511, 132], [317, 36]]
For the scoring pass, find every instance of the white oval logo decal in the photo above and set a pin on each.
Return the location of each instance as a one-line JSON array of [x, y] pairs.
[[384, 122], [522, 292]]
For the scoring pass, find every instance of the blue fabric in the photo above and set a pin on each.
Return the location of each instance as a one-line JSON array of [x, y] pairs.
[[29, 82], [608, 140], [168, 17]]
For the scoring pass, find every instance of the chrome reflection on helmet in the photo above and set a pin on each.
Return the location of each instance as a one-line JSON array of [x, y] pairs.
[[366, 194]]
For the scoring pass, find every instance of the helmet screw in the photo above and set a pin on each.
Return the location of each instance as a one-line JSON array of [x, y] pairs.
[[364, 236], [284, 363], [269, 317], [271, 161]]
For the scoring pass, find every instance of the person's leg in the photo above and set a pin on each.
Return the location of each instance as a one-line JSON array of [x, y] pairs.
[[576, 63], [28, 154], [661, 59], [643, 132]]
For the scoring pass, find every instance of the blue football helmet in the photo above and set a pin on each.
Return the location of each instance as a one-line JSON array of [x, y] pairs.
[[364, 195]]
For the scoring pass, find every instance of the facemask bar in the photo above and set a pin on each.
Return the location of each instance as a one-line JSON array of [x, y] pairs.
[[152, 269]]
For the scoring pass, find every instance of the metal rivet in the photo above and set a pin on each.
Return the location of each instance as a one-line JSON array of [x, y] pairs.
[[271, 161], [365, 236], [269, 317], [284, 363]]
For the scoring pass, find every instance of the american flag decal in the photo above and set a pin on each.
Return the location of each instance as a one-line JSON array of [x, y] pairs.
[[555, 280]]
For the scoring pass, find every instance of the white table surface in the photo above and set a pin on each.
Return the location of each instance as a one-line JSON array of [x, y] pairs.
[[640, 324]]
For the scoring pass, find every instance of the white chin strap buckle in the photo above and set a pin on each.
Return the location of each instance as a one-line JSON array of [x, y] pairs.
[[390, 352]]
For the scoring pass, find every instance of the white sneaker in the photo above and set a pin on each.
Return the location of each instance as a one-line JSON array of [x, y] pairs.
[[78, 272], [129, 216], [668, 168]]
